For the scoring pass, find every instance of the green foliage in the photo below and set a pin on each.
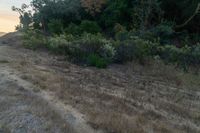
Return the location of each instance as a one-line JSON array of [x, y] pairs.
[[165, 32], [135, 48], [73, 29], [116, 11], [179, 11], [118, 28], [195, 55], [46, 10], [183, 57], [137, 14], [25, 16], [78, 49], [123, 35], [97, 61], [90, 27], [96, 44], [85, 26], [26, 20], [124, 51], [146, 13], [139, 29], [59, 44], [34, 39], [55, 26]]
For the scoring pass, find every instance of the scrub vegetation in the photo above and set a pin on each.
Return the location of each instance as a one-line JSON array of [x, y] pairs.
[[114, 31]]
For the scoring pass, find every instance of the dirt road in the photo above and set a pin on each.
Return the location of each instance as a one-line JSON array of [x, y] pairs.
[[25, 108], [41, 92]]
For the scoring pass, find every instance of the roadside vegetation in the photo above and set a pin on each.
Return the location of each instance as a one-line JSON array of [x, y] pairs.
[[100, 33]]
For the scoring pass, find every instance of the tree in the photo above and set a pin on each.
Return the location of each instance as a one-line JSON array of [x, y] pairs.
[[183, 12], [146, 13], [190, 18], [93, 6], [47, 10], [25, 16]]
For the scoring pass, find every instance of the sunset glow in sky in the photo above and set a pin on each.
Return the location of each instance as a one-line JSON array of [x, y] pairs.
[[8, 18]]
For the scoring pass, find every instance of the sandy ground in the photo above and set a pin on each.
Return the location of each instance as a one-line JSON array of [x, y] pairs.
[[41, 92]]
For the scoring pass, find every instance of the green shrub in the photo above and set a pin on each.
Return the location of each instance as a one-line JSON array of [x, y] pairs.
[[90, 27], [108, 51], [135, 48], [165, 32], [55, 26], [97, 61], [122, 36], [60, 44], [73, 29], [124, 51], [96, 44], [85, 26], [79, 48], [195, 54], [170, 53], [119, 28], [183, 57], [34, 39]]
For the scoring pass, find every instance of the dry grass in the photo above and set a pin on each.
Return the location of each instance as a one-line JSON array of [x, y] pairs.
[[113, 122], [112, 113]]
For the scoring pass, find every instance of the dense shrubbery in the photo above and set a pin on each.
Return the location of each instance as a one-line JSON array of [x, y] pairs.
[[55, 26], [100, 33], [96, 50], [85, 26], [60, 44], [90, 27], [88, 48], [34, 39], [183, 57], [97, 61]]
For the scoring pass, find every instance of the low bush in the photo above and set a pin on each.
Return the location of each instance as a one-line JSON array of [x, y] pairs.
[[34, 39], [163, 31], [90, 27], [96, 44], [97, 61], [183, 57], [124, 51], [135, 48], [60, 44], [85, 26], [78, 49], [196, 55], [118, 28], [73, 29], [122, 36], [96, 50], [55, 26]]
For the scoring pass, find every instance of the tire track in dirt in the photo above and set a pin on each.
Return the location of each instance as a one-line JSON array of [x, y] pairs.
[[71, 116]]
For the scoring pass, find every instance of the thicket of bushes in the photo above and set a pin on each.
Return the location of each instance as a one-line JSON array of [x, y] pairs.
[[114, 31], [96, 50]]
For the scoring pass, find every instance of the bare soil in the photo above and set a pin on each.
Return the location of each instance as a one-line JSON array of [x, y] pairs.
[[41, 92]]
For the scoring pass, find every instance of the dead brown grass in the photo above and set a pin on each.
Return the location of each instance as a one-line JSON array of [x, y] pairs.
[[110, 112], [113, 122]]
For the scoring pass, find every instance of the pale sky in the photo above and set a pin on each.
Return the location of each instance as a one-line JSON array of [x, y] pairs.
[[8, 18]]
